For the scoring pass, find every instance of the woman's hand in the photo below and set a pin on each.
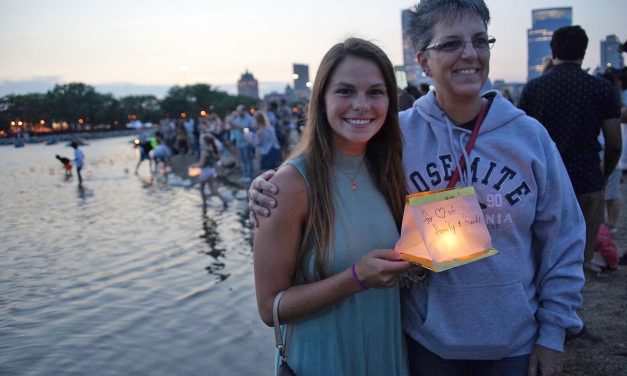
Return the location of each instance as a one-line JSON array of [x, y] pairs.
[[260, 200], [545, 362], [381, 268]]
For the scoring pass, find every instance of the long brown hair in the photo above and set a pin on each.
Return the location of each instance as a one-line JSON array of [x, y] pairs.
[[383, 154]]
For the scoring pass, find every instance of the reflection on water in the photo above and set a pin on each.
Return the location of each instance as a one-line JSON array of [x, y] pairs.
[[211, 237], [124, 276]]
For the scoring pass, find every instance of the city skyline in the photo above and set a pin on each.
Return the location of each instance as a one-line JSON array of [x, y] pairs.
[[610, 57], [544, 22], [123, 47]]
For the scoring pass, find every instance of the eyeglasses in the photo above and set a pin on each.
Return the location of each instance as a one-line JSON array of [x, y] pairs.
[[480, 44]]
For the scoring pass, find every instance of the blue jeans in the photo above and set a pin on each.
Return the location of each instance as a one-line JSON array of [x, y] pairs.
[[425, 363], [246, 154]]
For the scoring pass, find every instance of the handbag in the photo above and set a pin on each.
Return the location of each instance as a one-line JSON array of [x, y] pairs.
[[284, 368]]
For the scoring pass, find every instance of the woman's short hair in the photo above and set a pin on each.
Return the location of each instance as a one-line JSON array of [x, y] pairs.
[[430, 12]]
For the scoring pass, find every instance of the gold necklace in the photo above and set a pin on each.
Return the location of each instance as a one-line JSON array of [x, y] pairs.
[[352, 177]]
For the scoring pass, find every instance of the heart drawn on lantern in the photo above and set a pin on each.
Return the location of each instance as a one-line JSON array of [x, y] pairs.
[[440, 212]]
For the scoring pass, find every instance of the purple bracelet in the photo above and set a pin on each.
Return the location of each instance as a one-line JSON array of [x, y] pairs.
[[363, 287]]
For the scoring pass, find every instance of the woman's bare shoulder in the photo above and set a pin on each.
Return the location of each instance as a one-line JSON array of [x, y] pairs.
[[291, 197], [289, 180]]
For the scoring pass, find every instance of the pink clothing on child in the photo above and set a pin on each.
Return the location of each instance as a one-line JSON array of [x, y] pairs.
[[606, 247]]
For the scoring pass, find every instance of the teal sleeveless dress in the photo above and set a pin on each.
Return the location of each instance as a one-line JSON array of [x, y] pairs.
[[361, 335]]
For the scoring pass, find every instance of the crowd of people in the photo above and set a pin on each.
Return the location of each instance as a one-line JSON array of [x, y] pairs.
[[243, 142], [546, 166], [244, 133], [323, 257]]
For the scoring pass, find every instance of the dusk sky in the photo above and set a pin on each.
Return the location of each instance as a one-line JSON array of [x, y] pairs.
[[178, 42]]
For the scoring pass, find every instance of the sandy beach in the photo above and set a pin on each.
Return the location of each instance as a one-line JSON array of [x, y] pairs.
[[603, 349]]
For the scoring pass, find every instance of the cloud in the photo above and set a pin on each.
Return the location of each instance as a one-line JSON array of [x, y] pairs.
[[34, 85]]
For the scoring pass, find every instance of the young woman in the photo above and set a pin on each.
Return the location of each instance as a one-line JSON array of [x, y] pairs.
[[344, 182], [266, 141]]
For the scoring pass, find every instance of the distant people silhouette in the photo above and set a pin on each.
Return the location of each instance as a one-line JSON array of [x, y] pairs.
[[79, 159]]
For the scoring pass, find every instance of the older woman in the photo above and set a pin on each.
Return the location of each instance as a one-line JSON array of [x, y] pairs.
[[494, 313], [507, 314]]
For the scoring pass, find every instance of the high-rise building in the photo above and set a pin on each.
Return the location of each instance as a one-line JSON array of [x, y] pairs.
[[401, 76], [413, 71], [543, 23], [610, 55], [300, 74], [248, 85]]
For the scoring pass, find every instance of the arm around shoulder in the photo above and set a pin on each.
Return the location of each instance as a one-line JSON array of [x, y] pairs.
[[276, 244], [278, 238]]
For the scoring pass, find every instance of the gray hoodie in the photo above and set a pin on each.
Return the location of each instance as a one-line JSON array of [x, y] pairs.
[[528, 293]]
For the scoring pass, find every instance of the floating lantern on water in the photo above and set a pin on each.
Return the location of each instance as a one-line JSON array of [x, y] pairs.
[[193, 171]]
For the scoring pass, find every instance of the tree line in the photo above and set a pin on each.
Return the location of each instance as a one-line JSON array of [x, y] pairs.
[[78, 105]]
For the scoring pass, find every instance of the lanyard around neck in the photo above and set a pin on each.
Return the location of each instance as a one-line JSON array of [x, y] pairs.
[[469, 145]]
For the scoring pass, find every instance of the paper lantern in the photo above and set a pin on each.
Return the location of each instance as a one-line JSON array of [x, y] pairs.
[[193, 171], [444, 229]]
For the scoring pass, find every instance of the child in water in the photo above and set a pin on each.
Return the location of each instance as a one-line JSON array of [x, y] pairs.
[[161, 155], [67, 165], [209, 158]]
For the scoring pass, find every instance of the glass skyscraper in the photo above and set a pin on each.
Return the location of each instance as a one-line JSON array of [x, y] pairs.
[[610, 56], [544, 23]]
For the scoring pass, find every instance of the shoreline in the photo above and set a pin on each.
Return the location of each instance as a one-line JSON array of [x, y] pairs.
[[53, 138]]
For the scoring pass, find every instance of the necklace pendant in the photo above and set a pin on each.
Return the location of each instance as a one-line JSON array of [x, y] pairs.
[[353, 186]]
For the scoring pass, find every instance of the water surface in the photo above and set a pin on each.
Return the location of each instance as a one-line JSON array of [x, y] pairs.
[[124, 276]]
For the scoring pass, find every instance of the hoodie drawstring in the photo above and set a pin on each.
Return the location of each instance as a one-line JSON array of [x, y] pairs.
[[449, 128], [464, 177]]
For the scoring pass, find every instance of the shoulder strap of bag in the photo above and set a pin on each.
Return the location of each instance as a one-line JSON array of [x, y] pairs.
[[470, 144], [280, 344]]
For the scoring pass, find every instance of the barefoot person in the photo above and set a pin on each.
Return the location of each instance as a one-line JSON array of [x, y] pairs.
[[209, 158], [79, 158], [67, 165]]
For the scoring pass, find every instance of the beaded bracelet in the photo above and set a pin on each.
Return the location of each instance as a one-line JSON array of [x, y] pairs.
[[363, 287]]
